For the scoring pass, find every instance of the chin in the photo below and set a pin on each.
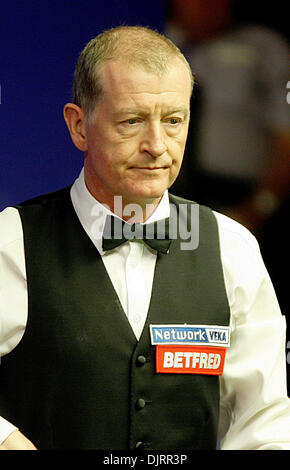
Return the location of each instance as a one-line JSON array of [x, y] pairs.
[[147, 196]]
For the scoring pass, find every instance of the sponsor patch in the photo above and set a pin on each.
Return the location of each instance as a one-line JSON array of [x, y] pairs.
[[190, 359], [202, 335]]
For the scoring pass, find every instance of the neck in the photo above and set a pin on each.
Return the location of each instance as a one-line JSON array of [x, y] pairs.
[[132, 211]]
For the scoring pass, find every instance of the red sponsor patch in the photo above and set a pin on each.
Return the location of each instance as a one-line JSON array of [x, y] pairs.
[[190, 359]]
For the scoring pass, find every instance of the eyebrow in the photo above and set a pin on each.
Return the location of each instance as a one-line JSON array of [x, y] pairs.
[[139, 112], [180, 109]]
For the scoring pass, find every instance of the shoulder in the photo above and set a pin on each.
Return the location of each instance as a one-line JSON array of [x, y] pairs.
[[234, 234], [239, 249], [38, 213], [10, 227], [262, 37], [45, 199]]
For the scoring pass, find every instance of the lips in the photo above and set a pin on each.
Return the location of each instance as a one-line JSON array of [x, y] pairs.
[[150, 168]]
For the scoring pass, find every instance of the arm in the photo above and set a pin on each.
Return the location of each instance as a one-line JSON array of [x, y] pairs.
[[255, 409], [13, 308]]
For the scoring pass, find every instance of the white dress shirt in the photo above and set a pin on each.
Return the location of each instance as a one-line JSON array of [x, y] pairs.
[[255, 409]]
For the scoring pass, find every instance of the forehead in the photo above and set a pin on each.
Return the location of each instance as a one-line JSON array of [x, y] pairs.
[[123, 82]]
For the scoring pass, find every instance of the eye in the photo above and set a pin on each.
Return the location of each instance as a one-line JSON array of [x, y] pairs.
[[174, 121], [129, 123], [132, 121]]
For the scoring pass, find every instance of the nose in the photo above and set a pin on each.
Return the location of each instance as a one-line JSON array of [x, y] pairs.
[[153, 140]]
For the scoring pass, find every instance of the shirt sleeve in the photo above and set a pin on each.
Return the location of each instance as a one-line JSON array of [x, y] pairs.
[[13, 285], [255, 409], [13, 291], [6, 429]]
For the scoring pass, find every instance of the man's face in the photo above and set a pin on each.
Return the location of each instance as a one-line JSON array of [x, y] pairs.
[[136, 139]]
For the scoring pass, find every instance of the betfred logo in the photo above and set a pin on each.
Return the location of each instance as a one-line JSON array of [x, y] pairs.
[[190, 359]]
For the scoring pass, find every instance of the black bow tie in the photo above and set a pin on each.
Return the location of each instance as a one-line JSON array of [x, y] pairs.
[[155, 235]]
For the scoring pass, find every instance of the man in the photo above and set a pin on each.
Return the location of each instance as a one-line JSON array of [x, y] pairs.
[[135, 346], [243, 143]]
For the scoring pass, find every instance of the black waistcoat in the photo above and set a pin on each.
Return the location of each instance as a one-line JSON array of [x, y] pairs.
[[75, 379]]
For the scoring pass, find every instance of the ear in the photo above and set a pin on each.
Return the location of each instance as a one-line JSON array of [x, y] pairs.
[[75, 121]]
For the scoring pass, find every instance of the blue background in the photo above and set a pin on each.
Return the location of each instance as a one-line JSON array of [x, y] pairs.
[[40, 41], [39, 44]]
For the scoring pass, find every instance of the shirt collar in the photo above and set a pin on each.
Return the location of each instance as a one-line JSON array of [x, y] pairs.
[[92, 214]]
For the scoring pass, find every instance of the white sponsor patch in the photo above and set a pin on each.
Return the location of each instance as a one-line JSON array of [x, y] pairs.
[[204, 335]]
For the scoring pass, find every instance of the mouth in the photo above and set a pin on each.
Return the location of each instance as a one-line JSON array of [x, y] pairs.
[[150, 168]]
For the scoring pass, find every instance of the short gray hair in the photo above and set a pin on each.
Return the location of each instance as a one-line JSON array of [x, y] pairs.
[[134, 45]]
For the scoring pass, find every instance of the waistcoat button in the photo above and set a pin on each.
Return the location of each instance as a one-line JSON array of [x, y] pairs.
[[141, 360], [140, 403]]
